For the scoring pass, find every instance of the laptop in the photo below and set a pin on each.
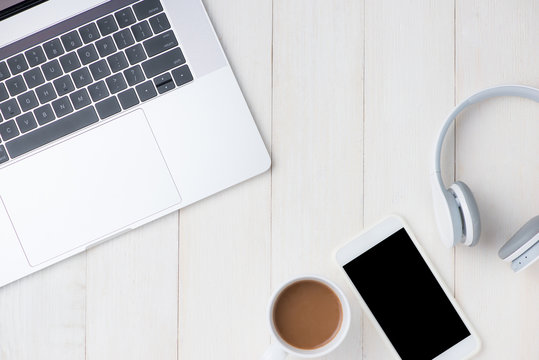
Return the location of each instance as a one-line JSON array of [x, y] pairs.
[[113, 114]]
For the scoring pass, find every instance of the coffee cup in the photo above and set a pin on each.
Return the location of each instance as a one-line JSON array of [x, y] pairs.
[[309, 316]]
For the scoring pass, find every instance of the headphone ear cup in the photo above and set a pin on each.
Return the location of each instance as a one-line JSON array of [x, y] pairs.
[[446, 212], [469, 213], [522, 240]]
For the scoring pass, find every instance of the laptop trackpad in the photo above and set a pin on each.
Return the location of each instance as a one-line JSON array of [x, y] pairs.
[[87, 188]]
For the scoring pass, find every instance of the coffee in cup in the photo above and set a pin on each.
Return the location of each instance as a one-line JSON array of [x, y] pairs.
[[309, 317], [307, 314]]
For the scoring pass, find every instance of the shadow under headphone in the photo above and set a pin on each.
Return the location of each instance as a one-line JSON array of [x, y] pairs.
[[457, 215]]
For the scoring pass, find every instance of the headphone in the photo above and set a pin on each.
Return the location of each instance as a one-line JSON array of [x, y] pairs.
[[457, 215]]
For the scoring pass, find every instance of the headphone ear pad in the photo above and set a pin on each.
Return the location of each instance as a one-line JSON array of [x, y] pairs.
[[446, 212], [469, 212]]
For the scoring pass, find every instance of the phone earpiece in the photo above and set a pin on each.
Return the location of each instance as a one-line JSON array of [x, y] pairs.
[[469, 213]]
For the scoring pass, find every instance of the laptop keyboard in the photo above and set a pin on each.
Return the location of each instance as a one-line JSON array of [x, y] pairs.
[[86, 75]]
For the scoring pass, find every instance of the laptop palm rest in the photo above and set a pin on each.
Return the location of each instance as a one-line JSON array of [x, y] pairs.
[[87, 188]]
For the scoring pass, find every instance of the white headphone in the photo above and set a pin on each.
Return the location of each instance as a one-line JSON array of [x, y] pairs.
[[455, 208]]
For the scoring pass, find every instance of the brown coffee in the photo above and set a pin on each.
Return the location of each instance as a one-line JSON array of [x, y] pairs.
[[307, 314]]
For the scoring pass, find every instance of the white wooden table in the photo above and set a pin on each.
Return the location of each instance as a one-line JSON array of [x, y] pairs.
[[349, 96]]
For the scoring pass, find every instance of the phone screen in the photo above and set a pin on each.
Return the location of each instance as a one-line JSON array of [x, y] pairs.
[[406, 299]]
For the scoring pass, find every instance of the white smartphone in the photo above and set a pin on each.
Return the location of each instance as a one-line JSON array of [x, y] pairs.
[[404, 296]]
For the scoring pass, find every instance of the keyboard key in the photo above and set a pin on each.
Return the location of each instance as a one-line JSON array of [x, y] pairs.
[[51, 70], [3, 154], [80, 98], [81, 77], [8, 130], [116, 83], [125, 17], [10, 108], [87, 54], [164, 83], [159, 23], [107, 25], [53, 48], [108, 107], [34, 77], [71, 41], [26, 122], [27, 101], [163, 62], [141, 31], [70, 62], [4, 72], [89, 33], [44, 114], [128, 98], [46, 93], [124, 38], [134, 75], [51, 132], [98, 91], [35, 56], [147, 8], [105, 46], [62, 106], [182, 75], [15, 85], [17, 64], [135, 54], [64, 85], [117, 62], [146, 91], [3, 93], [160, 43], [100, 69]]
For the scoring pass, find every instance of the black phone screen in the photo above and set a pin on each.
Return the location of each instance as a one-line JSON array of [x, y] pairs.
[[406, 299]]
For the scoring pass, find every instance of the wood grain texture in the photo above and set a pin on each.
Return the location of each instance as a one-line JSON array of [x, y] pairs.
[[317, 140], [132, 287], [43, 315], [497, 156], [408, 93], [225, 240]]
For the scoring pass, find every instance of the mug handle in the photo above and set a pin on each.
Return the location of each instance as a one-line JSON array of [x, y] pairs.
[[274, 352]]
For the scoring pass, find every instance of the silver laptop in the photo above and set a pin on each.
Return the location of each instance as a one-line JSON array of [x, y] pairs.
[[113, 114]]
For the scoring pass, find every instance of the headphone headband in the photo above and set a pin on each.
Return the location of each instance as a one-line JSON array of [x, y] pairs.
[[504, 90]]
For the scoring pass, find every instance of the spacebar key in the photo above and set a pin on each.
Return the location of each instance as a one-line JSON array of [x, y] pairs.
[[52, 131]]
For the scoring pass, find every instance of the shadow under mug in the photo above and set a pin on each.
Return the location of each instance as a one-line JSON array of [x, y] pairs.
[[280, 349]]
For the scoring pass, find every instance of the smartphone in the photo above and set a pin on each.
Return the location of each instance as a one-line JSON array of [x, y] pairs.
[[404, 296]]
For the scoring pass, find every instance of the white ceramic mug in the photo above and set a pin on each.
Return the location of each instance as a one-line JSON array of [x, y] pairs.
[[280, 349]]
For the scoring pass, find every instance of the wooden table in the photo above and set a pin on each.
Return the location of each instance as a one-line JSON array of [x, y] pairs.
[[349, 96]]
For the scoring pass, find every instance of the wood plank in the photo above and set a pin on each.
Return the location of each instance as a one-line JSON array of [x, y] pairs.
[[43, 315], [225, 239], [408, 93], [497, 157], [132, 300], [317, 183]]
